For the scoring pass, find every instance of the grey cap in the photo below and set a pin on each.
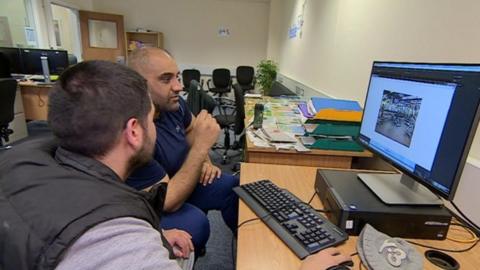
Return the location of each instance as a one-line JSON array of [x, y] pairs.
[[379, 251]]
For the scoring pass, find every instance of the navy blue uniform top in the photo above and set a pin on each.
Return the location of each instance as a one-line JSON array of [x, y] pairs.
[[171, 148]]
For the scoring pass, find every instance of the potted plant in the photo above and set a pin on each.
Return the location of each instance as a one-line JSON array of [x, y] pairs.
[[266, 74]]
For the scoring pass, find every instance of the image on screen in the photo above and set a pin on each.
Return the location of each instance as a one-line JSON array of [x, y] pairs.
[[397, 116], [421, 118]]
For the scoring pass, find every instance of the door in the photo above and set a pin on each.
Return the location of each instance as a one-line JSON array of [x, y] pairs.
[[103, 36]]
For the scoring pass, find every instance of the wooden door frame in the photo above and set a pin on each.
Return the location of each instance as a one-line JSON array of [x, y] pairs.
[[121, 38]]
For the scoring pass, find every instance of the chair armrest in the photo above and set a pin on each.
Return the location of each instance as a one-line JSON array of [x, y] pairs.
[[208, 84]]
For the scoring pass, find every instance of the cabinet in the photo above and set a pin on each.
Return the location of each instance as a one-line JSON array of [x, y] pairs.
[[144, 39]]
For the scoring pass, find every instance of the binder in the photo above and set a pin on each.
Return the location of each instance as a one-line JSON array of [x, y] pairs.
[[339, 115], [337, 129], [333, 144], [338, 104]]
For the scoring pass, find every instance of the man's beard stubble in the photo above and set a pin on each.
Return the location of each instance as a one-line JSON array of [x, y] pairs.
[[143, 156]]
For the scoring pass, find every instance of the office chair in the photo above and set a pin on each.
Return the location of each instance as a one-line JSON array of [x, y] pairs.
[[8, 89], [72, 59], [4, 66], [246, 77], [222, 82], [198, 99], [188, 75], [233, 121]]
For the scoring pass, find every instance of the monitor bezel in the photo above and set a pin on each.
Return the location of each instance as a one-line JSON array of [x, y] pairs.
[[466, 148]]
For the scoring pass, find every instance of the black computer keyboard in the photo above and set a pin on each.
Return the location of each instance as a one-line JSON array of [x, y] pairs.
[[303, 229]]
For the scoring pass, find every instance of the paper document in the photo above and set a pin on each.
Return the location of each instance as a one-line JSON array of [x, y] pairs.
[[276, 135], [249, 95]]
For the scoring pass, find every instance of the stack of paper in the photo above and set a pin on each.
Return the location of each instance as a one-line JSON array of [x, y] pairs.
[[332, 124]]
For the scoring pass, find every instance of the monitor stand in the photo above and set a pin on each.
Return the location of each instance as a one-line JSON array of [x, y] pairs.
[[399, 189]]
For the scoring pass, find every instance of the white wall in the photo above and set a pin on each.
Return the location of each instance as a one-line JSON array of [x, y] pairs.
[[190, 28], [341, 39]]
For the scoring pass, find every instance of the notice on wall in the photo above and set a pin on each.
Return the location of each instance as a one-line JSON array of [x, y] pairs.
[[223, 32], [31, 36], [296, 29]]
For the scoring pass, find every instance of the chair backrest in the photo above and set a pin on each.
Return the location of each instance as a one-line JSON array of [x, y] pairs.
[[245, 75], [188, 75], [198, 99], [8, 89], [221, 78], [4, 66], [72, 59], [240, 108]]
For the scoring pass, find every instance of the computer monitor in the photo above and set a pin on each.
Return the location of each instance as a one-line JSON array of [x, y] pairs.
[[421, 118], [14, 59], [57, 60]]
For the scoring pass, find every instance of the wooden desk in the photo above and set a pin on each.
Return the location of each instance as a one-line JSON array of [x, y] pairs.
[[35, 100], [314, 158], [259, 248]]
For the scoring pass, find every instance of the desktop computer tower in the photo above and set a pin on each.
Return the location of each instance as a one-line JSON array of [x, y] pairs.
[[351, 205]]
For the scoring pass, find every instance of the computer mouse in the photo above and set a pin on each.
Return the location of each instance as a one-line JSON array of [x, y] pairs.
[[342, 266]]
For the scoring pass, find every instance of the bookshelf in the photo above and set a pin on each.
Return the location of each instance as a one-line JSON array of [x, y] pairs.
[[144, 39]]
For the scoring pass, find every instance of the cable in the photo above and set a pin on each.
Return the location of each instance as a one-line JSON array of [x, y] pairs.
[[445, 249], [250, 220], [318, 210], [471, 223], [468, 230], [311, 199]]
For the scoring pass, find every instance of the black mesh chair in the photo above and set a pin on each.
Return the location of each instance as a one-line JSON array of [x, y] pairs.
[[246, 77], [72, 59], [8, 88], [198, 99], [222, 82], [191, 74], [235, 120]]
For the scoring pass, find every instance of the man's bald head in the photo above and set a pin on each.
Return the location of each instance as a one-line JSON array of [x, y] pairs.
[[139, 59], [160, 70]]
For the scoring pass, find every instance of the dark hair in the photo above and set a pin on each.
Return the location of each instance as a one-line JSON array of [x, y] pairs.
[[91, 103]]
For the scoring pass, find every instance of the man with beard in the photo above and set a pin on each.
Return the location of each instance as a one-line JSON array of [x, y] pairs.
[[63, 200], [195, 184]]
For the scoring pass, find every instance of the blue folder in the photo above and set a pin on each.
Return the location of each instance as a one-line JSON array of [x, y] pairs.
[[339, 104]]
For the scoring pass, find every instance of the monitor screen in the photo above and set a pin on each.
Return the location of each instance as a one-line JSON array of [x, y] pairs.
[[57, 60], [422, 118], [14, 59]]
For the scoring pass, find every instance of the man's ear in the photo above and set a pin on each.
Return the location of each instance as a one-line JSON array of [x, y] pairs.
[[133, 133]]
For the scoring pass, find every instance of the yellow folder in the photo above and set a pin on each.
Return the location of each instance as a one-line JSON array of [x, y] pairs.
[[339, 115]]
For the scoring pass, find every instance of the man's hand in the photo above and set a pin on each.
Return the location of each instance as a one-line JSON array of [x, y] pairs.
[[181, 242], [206, 131], [209, 173], [324, 259]]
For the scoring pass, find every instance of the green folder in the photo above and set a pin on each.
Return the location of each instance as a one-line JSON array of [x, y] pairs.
[[337, 129], [332, 144]]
